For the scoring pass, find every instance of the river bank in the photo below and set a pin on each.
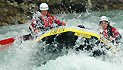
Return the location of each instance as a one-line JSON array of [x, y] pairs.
[[20, 11]]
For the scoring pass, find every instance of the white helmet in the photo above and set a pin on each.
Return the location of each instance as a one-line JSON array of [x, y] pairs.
[[44, 6], [104, 18]]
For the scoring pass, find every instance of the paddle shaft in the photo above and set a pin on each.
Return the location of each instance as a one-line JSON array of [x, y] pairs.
[[11, 40]]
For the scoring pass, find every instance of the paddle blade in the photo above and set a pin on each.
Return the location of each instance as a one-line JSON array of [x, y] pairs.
[[4, 47], [7, 41], [4, 44]]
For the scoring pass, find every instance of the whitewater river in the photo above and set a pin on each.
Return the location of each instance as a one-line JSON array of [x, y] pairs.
[[19, 56]]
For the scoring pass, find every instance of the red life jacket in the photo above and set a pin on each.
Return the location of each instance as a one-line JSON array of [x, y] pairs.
[[49, 21], [111, 32], [105, 33], [46, 22]]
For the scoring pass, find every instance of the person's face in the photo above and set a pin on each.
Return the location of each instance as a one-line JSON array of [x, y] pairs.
[[104, 24], [44, 12]]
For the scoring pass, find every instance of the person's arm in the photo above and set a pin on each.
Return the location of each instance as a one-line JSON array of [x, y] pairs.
[[33, 26], [58, 21], [115, 33]]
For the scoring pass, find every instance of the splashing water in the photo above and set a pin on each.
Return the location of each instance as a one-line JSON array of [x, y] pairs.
[[20, 56]]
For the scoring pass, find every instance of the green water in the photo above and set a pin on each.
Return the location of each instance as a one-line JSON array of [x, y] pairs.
[[18, 56]]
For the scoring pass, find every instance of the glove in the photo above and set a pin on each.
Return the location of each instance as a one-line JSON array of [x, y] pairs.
[[64, 23], [36, 30]]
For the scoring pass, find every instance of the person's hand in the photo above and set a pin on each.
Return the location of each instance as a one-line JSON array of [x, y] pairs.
[[36, 30], [110, 39], [64, 23]]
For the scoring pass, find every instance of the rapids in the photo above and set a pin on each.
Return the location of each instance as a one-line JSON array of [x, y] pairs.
[[19, 56]]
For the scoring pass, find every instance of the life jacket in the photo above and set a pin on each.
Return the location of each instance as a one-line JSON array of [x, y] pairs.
[[41, 23], [49, 21], [108, 33]]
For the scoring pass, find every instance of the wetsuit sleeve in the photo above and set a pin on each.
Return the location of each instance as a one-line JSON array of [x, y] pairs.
[[32, 26], [56, 20], [115, 33]]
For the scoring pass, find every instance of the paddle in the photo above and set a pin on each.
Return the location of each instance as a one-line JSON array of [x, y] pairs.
[[8, 42]]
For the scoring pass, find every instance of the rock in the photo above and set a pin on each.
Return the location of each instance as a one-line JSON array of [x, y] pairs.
[[5, 10], [121, 7], [15, 4], [24, 7], [44, 1], [52, 2], [10, 20], [32, 8], [106, 7], [22, 21], [12, 11], [67, 11], [89, 4], [62, 10], [19, 1], [3, 24]]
